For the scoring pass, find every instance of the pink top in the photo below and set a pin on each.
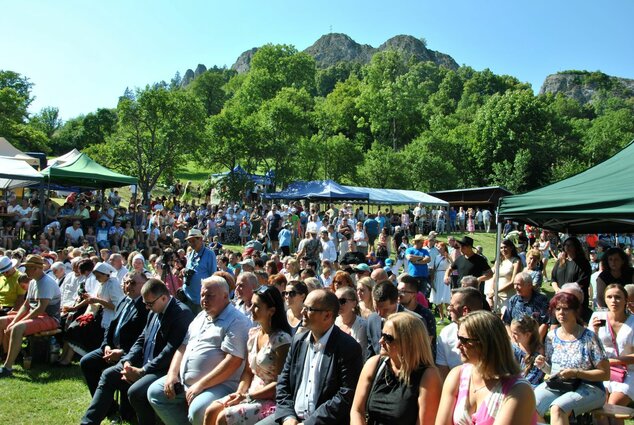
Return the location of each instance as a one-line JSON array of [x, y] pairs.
[[488, 410]]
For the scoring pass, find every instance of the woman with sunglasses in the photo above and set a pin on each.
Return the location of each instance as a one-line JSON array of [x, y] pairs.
[[349, 319], [575, 354], [488, 388], [267, 347], [294, 296], [401, 385], [615, 329], [342, 280], [364, 292]]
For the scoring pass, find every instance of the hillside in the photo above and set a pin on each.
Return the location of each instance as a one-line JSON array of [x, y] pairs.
[[585, 86]]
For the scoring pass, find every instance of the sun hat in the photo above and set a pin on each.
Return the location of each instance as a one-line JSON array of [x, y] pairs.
[[104, 268], [33, 260], [7, 264], [194, 233]]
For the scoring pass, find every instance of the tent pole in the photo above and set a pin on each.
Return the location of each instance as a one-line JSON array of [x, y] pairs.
[[498, 241]]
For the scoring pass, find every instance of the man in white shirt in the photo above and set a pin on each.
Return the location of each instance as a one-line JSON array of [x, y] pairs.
[[463, 301], [246, 284], [328, 250]]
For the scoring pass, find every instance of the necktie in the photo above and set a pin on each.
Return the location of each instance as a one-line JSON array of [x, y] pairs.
[[123, 317], [148, 347]]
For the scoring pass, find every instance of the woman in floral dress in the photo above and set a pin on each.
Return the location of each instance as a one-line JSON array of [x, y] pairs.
[[268, 345]]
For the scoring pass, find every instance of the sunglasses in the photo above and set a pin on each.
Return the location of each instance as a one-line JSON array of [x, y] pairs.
[[343, 301], [388, 338], [312, 309], [467, 341], [289, 294]]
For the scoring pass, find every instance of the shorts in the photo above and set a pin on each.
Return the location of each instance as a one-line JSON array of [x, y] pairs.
[[41, 323], [584, 399], [626, 387]]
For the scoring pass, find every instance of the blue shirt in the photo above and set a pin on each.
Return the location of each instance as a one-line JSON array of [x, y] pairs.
[[204, 265], [417, 270], [284, 237], [371, 227], [381, 220]]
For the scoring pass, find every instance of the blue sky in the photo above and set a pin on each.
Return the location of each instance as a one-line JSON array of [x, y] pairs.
[[81, 55]]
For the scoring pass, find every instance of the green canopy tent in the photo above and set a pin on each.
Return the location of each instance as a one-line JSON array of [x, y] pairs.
[[600, 199], [82, 171]]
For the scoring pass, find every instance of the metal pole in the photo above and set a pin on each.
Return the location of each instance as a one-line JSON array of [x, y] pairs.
[[498, 241]]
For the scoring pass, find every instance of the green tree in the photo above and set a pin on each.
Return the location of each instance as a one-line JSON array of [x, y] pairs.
[[382, 167], [209, 88], [47, 121], [156, 131], [608, 134]]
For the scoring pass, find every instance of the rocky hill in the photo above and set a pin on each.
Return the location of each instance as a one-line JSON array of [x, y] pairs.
[[584, 86]]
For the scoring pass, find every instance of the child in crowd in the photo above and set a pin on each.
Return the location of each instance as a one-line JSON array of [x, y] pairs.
[[527, 346], [7, 235]]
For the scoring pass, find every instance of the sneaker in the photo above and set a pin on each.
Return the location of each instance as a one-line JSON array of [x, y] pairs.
[[5, 373]]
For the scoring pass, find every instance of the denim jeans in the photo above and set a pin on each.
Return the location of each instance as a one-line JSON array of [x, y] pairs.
[[176, 412]]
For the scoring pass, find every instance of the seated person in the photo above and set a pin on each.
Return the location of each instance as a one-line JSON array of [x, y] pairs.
[[40, 312], [11, 292], [74, 234]]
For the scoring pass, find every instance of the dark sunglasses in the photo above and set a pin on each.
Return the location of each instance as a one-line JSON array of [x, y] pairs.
[[388, 338], [467, 341], [343, 301], [289, 294], [262, 290]]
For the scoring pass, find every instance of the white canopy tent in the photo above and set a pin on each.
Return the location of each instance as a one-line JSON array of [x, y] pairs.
[[17, 173], [7, 150], [66, 158]]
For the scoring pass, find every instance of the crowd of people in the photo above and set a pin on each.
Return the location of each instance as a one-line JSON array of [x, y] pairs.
[[321, 317]]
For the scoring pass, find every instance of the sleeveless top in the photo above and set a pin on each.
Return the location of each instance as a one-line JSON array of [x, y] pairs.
[[489, 408], [390, 401]]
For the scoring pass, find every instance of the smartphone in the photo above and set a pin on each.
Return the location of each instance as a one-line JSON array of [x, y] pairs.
[[178, 388]]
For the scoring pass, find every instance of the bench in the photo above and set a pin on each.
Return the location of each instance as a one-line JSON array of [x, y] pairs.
[[39, 347], [614, 411]]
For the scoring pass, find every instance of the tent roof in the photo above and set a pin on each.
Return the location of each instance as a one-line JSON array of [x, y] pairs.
[[10, 151], [17, 173], [474, 196], [318, 190], [83, 171], [600, 199], [398, 196], [67, 157], [255, 178]]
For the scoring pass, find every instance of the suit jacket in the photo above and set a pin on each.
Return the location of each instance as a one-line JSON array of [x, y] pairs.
[[339, 373], [130, 329], [375, 326], [169, 337]]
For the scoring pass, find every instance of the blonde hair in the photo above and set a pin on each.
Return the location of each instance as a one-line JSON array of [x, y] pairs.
[[496, 358], [413, 344], [292, 267]]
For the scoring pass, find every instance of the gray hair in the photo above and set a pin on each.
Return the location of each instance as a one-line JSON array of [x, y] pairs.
[[469, 281], [250, 278], [216, 281], [629, 288], [526, 278]]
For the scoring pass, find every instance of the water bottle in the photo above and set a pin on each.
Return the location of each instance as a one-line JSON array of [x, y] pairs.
[[54, 350]]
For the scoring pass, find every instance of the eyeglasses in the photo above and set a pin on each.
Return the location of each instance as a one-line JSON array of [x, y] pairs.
[[129, 282], [263, 289], [467, 341], [312, 309], [151, 303], [343, 301], [388, 338]]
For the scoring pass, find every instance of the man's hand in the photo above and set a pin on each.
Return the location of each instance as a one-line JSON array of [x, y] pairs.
[[131, 374], [192, 392], [112, 355], [168, 386]]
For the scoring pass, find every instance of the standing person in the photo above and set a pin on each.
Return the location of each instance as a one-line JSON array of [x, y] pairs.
[[148, 358], [441, 290], [201, 264], [572, 352], [38, 313], [469, 215], [274, 224], [208, 364], [470, 263], [418, 258], [407, 298], [488, 387], [510, 266], [361, 238], [328, 249], [617, 336], [371, 227], [573, 266], [385, 296], [615, 269], [486, 217], [317, 383], [267, 349], [544, 249], [401, 385]]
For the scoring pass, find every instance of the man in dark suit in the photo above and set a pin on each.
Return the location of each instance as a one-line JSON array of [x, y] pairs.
[[148, 359], [318, 380], [128, 323], [385, 297]]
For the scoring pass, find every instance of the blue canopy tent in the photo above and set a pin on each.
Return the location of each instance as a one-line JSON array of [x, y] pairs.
[[398, 196], [318, 190]]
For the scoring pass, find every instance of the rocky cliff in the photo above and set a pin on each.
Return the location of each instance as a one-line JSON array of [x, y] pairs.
[[333, 48], [584, 86]]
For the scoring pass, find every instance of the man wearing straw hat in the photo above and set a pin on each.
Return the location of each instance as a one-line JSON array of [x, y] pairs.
[[40, 312], [201, 264]]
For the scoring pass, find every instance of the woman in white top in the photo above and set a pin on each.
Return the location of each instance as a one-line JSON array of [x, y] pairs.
[[615, 329], [441, 291], [361, 239], [510, 266], [349, 319]]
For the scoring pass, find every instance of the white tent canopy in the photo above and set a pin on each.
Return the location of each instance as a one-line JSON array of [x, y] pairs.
[[17, 173], [66, 158], [7, 150], [398, 196]]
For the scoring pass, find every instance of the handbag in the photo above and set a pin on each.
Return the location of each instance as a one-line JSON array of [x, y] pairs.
[[563, 385], [617, 372]]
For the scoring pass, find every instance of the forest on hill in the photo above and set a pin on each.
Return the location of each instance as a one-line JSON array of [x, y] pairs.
[[395, 122]]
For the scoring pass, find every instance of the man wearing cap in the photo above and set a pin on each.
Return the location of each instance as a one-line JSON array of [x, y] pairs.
[[40, 312], [11, 292], [418, 258], [470, 263], [247, 265], [201, 263]]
